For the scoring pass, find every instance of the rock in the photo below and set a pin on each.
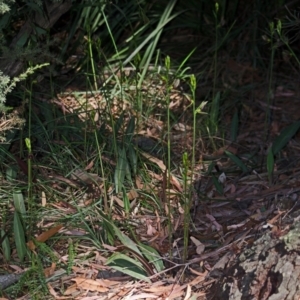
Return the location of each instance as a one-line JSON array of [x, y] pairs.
[[8, 279]]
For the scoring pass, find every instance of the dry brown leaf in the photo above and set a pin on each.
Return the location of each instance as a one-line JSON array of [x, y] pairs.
[[44, 236], [109, 247], [89, 166], [188, 292], [97, 285], [118, 200], [214, 221], [71, 290], [150, 229], [44, 199], [139, 183], [88, 178], [143, 296], [155, 160], [176, 183], [199, 246], [50, 270], [53, 293], [161, 289], [132, 194]]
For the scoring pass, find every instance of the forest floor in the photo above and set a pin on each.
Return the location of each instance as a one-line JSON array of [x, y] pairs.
[[231, 207]]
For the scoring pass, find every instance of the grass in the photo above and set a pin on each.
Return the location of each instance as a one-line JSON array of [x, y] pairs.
[[85, 160]]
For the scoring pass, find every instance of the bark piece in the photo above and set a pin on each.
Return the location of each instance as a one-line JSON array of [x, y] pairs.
[[270, 269]]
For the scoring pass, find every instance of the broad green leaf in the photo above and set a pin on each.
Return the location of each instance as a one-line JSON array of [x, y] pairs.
[[237, 161], [19, 236], [5, 246], [132, 159], [285, 135], [152, 256], [19, 202], [128, 265], [11, 174], [107, 234]]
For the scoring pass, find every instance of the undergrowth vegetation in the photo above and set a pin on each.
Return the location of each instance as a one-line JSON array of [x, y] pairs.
[[139, 101]]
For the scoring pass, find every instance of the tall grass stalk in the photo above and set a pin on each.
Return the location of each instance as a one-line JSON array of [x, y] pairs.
[[270, 79], [105, 196], [168, 171], [216, 51], [29, 161], [91, 58], [188, 197]]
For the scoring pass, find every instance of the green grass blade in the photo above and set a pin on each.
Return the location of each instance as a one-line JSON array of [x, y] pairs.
[[120, 170], [126, 202], [155, 33], [214, 113]]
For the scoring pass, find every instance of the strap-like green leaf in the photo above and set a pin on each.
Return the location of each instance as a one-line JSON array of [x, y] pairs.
[[152, 256], [285, 135], [127, 265], [5, 246], [19, 236], [126, 241], [237, 161], [19, 202]]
